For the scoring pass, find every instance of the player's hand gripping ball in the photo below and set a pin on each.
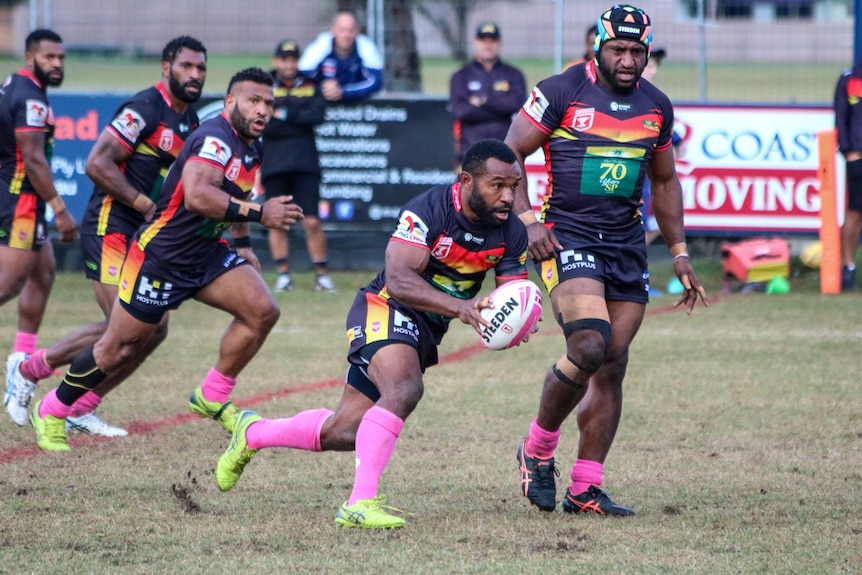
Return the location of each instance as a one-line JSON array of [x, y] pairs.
[[517, 309]]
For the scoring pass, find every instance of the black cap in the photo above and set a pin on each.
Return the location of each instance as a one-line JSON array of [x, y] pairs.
[[287, 48], [658, 54], [488, 30]]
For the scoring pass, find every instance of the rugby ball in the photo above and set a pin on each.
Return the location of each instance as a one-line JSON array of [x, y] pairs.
[[810, 256], [517, 309]]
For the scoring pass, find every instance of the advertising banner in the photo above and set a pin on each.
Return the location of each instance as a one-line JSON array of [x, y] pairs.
[[742, 169], [375, 155]]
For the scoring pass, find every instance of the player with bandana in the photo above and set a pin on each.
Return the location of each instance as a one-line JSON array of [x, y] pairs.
[[180, 255], [602, 131]]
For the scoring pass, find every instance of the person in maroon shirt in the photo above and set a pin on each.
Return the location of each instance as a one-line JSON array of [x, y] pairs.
[[602, 130]]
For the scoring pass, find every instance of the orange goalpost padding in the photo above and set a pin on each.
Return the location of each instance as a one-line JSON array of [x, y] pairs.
[[830, 231]]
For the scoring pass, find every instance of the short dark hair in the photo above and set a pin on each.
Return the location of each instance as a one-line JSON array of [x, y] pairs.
[[173, 47], [479, 153], [37, 36], [591, 31], [256, 75]]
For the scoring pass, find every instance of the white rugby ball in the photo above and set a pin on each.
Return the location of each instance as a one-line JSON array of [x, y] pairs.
[[517, 309]]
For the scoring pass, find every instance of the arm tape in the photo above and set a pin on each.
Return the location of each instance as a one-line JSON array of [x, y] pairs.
[[242, 242], [239, 211]]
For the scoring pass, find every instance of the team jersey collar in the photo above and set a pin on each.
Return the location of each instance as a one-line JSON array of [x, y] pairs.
[[456, 196], [164, 92], [591, 71], [227, 121], [28, 74]]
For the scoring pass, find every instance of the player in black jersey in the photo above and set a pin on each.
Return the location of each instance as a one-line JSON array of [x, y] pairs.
[[602, 131], [128, 165], [26, 187], [446, 240], [179, 255]]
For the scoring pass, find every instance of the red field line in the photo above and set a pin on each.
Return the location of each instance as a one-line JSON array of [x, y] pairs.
[[144, 427]]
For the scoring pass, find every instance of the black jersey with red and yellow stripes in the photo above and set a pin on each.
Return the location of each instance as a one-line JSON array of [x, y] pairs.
[[179, 237], [154, 133], [23, 108], [461, 250], [598, 149]]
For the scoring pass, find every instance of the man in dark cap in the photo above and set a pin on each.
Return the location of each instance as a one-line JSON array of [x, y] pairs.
[[291, 166], [601, 130], [484, 94]]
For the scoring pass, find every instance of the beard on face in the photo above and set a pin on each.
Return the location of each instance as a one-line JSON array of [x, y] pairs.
[[179, 90], [482, 209], [610, 76], [45, 78], [241, 125]]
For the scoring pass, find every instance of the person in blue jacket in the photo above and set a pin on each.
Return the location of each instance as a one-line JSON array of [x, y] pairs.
[[347, 65]]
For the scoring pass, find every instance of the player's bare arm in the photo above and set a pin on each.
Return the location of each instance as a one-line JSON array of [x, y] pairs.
[[667, 205], [524, 139], [103, 167], [404, 266], [32, 146]]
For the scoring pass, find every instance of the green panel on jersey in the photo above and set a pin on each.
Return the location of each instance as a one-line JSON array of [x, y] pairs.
[[611, 171]]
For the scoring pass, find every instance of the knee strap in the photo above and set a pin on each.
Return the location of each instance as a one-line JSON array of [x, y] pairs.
[[592, 323], [563, 377]]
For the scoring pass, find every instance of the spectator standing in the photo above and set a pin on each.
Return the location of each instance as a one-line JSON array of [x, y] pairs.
[[347, 65], [291, 166], [484, 94], [848, 121], [26, 187]]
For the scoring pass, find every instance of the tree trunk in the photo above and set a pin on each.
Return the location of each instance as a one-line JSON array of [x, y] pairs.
[[403, 72]]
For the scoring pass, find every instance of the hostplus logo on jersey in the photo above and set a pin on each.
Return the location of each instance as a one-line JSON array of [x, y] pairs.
[[471, 238], [617, 107], [405, 326], [572, 260], [153, 292]]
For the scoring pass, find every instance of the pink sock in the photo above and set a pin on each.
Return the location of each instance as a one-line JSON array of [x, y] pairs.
[[35, 367], [87, 403], [217, 387], [586, 473], [375, 441], [25, 342], [53, 406], [541, 443], [302, 431]]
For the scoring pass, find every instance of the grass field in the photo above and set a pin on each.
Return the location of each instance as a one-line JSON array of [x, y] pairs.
[[725, 82], [740, 448]]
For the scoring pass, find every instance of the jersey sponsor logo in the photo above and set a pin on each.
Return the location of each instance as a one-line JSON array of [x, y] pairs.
[[474, 85], [411, 229], [216, 150], [570, 260], [583, 119], [471, 238], [37, 113], [183, 127], [536, 105], [404, 325], [166, 140], [617, 107], [153, 292], [129, 124], [501, 86], [232, 172], [441, 248], [353, 333]]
